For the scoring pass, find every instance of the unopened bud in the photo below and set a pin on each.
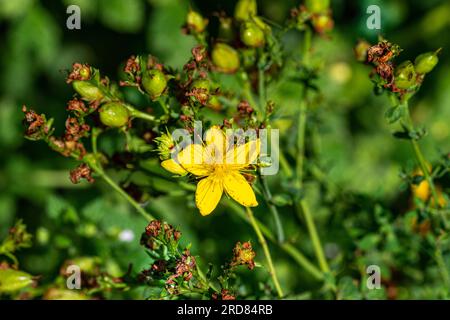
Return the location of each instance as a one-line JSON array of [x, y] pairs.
[[225, 58], [114, 114], [154, 82], [245, 9], [14, 280], [252, 35], [196, 22], [426, 62], [87, 90]]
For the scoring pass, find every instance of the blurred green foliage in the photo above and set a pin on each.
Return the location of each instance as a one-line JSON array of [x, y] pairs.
[[354, 143]]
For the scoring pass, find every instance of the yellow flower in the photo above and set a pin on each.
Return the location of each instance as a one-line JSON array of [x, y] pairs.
[[218, 164]]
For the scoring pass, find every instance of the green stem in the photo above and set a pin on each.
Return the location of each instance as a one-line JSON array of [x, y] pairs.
[[442, 267], [139, 114], [314, 237], [265, 247], [423, 164], [273, 209], [288, 248], [97, 167], [163, 105], [203, 278], [248, 91], [285, 167], [301, 132], [126, 196], [266, 191], [261, 89]]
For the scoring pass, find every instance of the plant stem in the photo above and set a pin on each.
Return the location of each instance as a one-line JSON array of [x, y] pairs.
[[423, 163], [273, 209], [285, 167], [301, 132], [261, 88], [203, 277], [127, 197], [301, 260], [263, 243], [442, 267], [314, 237], [95, 165], [139, 114], [266, 191]]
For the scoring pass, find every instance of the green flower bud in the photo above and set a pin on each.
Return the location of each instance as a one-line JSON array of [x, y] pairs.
[[405, 75], [154, 82], [196, 22], [252, 35], [114, 114], [426, 62], [225, 58], [245, 9], [317, 6], [14, 280], [165, 145], [87, 90]]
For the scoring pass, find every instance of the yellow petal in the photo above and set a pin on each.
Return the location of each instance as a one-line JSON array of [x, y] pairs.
[[216, 143], [238, 188], [243, 154], [172, 166], [192, 159], [208, 194]]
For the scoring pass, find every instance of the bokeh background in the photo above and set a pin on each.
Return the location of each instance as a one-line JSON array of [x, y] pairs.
[[356, 144]]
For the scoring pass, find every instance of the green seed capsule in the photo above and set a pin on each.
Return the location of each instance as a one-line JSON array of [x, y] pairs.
[[87, 90], [225, 58], [195, 21], [317, 6], [154, 82], [13, 280], [245, 9], [252, 35], [114, 114], [405, 75], [426, 62]]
